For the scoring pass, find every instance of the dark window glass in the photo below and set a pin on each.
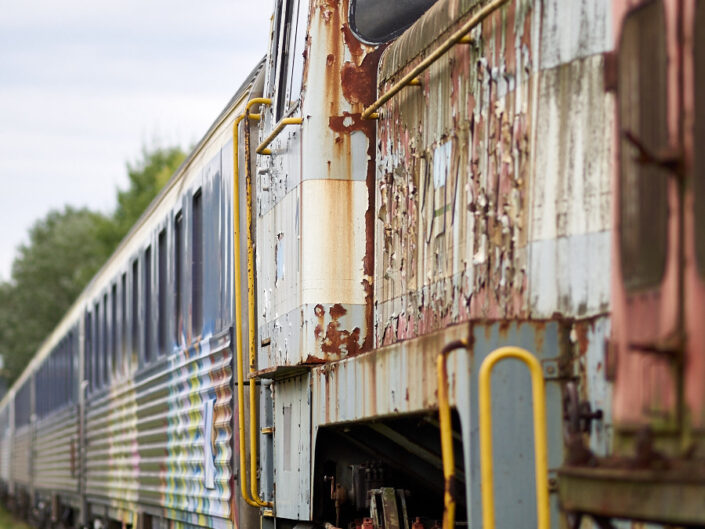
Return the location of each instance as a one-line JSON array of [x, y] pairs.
[[161, 313], [105, 352], [197, 265], [376, 22], [642, 114], [699, 135], [123, 325], [72, 366], [284, 51], [113, 330], [88, 347], [135, 312], [148, 304], [178, 273], [22, 404], [97, 344]]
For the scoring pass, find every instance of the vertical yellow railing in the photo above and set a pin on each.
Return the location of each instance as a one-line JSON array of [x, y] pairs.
[[254, 501], [446, 427], [540, 443]]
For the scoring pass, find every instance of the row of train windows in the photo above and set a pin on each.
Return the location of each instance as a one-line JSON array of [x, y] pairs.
[[55, 383], [142, 316]]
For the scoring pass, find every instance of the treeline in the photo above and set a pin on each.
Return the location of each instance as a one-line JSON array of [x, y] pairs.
[[65, 249]]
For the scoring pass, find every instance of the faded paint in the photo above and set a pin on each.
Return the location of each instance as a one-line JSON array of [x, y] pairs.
[[314, 194], [503, 225]]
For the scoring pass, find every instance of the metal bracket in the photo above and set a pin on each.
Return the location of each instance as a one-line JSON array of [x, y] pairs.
[[551, 369]]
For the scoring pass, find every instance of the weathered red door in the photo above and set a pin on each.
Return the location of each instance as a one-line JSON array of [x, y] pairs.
[[647, 250]]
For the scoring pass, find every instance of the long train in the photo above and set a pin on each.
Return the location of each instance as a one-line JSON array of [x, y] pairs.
[[294, 333]]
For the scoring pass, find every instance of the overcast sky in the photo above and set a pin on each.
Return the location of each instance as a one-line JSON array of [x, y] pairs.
[[85, 84]]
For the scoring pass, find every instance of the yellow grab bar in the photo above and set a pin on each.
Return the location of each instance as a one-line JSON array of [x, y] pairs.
[[252, 335], [238, 302], [540, 443], [447, 433], [262, 147], [455, 38]]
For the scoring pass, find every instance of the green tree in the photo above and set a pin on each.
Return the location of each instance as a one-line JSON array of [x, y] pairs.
[[147, 177], [64, 251]]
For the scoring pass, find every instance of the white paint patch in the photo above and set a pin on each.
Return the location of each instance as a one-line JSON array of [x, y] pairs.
[[359, 144], [571, 187], [570, 275], [574, 29]]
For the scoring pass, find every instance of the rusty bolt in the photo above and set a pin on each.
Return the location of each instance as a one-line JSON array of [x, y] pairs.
[[551, 369], [552, 484]]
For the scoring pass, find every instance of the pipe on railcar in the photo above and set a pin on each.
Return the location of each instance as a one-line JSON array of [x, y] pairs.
[[411, 78], [238, 306], [252, 336], [447, 433]]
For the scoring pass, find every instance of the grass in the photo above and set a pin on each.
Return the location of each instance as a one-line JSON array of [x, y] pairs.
[[8, 521]]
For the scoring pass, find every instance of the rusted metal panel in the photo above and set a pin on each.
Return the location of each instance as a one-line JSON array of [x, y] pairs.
[[401, 379], [493, 193], [451, 194], [314, 199], [694, 221], [56, 451], [646, 293]]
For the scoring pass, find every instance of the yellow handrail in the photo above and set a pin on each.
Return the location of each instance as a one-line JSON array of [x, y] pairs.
[[252, 335], [238, 302], [540, 443], [458, 37], [447, 433], [262, 147]]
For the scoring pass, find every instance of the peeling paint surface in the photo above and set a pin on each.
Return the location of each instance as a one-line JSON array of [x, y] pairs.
[[501, 225], [314, 196]]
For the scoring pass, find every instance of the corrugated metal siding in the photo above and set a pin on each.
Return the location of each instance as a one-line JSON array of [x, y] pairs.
[[21, 455], [145, 441], [56, 451]]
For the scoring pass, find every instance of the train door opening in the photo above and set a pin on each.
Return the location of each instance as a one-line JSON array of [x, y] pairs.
[[385, 474]]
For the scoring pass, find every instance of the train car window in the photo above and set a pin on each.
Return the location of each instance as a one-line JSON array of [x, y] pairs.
[[642, 120], [135, 316], [88, 347], [113, 332], [22, 404], [63, 380], [699, 135], [97, 363], [161, 301], [197, 264], [292, 63], [72, 366], [148, 304], [178, 273], [105, 350], [59, 370], [293, 19], [123, 323], [283, 31], [378, 21]]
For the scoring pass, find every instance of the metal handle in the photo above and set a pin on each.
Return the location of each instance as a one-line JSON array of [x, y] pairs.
[[540, 443]]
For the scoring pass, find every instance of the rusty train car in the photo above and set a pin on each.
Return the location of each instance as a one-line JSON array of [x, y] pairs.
[[308, 326]]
